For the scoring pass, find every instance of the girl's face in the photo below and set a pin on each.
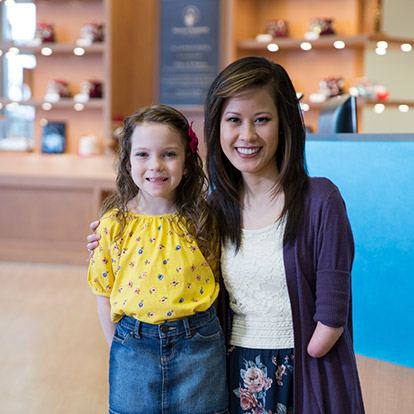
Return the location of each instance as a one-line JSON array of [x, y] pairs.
[[249, 131], [157, 161]]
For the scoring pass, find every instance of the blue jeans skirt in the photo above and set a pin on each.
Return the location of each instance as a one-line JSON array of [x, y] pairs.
[[176, 367]]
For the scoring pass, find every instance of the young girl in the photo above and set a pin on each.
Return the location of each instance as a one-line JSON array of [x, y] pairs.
[[287, 250], [155, 274]]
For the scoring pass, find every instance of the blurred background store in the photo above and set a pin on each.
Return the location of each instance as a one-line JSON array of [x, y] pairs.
[[71, 70]]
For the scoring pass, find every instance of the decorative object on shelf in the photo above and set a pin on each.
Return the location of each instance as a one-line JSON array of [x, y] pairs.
[[382, 92], [90, 89], [322, 26], [332, 86], [366, 88], [91, 33], [277, 28], [45, 33], [89, 145], [57, 89], [93, 88], [54, 138]]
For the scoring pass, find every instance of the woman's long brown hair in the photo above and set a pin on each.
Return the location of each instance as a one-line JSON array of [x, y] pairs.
[[225, 179]]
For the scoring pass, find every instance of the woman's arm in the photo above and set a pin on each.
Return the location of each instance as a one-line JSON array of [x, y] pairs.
[[333, 275], [104, 312], [323, 339]]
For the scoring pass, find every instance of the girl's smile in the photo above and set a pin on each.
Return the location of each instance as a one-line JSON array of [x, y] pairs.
[[157, 180]]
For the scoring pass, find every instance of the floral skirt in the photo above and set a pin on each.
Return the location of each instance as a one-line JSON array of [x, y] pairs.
[[260, 380]]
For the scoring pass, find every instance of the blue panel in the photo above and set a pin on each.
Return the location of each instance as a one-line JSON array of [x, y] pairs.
[[376, 180]]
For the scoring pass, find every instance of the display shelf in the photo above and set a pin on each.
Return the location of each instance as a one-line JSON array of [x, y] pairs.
[[324, 42], [61, 61], [364, 102], [65, 1], [129, 25], [64, 103], [356, 24], [290, 43], [388, 102], [56, 48]]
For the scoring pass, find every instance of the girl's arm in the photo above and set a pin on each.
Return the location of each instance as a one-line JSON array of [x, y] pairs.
[[104, 312], [323, 339]]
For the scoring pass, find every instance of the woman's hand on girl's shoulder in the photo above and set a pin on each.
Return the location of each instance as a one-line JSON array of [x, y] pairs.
[[93, 238]]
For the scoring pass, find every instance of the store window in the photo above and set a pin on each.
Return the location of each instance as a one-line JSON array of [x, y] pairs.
[[18, 25]]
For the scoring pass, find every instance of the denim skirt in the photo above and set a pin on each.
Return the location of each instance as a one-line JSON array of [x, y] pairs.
[[176, 367], [260, 381]]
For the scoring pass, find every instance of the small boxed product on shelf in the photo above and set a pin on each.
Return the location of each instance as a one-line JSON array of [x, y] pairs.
[[57, 89], [91, 33], [320, 27], [277, 28], [89, 145], [54, 138], [45, 33]]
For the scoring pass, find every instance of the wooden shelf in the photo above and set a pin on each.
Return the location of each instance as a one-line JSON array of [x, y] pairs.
[[389, 102], [57, 48], [63, 1], [323, 42], [64, 103], [361, 102]]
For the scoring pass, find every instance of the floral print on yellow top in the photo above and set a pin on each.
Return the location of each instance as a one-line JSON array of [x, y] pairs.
[[151, 273]]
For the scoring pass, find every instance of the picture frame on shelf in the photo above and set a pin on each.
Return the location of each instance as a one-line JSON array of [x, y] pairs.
[[54, 138]]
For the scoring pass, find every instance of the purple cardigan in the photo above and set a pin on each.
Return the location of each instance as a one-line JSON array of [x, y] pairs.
[[318, 265]]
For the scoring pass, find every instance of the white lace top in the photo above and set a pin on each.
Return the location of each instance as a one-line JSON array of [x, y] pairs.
[[256, 281]]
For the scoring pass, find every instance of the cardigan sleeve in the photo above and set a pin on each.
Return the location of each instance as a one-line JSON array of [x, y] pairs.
[[334, 263]]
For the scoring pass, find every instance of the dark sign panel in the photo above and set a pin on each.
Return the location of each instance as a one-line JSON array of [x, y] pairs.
[[189, 50]]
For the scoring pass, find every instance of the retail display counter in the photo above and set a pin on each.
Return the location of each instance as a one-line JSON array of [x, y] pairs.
[[47, 203]]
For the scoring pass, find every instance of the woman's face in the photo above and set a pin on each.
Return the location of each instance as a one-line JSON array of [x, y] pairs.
[[249, 131]]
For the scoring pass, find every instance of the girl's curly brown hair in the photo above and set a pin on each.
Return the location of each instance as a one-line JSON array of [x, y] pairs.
[[194, 213]]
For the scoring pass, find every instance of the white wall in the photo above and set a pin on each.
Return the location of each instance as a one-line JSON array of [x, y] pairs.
[[395, 71]]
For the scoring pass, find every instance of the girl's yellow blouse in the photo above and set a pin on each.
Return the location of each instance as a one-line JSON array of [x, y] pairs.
[[151, 272]]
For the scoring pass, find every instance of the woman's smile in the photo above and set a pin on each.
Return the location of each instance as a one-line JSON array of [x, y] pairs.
[[243, 151]]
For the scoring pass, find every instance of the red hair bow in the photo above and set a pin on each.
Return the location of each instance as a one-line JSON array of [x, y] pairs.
[[193, 138]]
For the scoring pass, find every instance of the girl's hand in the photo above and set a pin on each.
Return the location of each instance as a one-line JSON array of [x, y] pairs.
[[104, 312], [323, 339], [93, 238]]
